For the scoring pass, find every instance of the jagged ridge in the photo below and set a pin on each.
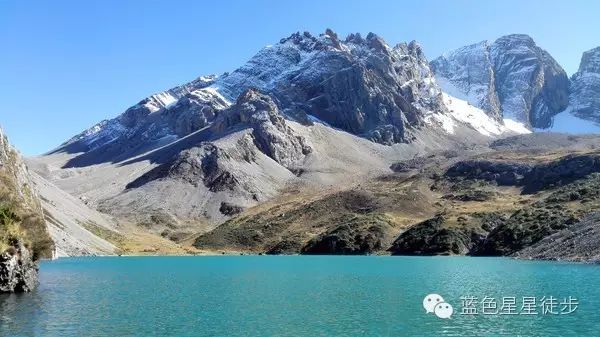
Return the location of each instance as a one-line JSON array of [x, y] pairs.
[[360, 85]]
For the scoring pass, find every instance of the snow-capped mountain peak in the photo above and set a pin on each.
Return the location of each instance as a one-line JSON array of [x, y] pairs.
[[359, 85], [511, 78], [584, 101]]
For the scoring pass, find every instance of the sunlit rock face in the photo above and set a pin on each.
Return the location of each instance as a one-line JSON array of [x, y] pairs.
[[510, 78], [585, 87]]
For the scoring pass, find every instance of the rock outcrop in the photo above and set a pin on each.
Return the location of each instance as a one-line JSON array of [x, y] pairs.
[[270, 132], [18, 270], [431, 237], [502, 173], [561, 172], [23, 235], [511, 78], [532, 177], [194, 166], [349, 239], [204, 163]]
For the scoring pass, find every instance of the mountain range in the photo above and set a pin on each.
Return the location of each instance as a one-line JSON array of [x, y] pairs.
[[322, 144]]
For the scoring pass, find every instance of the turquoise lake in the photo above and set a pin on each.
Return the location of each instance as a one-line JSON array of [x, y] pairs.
[[296, 296]]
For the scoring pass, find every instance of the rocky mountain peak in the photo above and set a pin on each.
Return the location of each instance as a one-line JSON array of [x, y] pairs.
[[585, 87], [363, 86], [515, 40], [270, 133], [359, 85], [511, 78], [354, 38], [590, 61], [415, 48], [329, 40], [303, 41], [377, 43], [467, 73], [252, 103]]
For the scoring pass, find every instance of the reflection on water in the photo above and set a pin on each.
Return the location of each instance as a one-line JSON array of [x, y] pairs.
[[292, 296]]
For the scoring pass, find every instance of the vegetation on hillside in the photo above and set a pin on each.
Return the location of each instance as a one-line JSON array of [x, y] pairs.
[[493, 203], [21, 217]]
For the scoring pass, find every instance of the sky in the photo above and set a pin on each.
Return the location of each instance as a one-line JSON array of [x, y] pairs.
[[66, 65]]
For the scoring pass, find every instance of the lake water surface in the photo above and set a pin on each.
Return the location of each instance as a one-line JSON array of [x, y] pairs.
[[296, 296]]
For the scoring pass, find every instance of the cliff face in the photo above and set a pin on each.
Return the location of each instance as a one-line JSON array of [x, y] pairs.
[[510, 78], [23, 235], [585, 97], [467, 72]]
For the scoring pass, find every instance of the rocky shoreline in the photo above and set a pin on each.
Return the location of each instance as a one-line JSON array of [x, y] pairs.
[[578, 243]]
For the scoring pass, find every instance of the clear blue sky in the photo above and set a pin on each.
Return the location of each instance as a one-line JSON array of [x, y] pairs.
[[65, 65]]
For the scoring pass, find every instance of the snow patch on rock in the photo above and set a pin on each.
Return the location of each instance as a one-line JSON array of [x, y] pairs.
[[567, 122], [461, 111], [515, 126]]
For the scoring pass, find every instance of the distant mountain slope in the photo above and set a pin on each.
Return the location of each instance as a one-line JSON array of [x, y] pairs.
[[510, 78], [526, 196], [51, 222], [359, 85], [243, 160], [583, 113], [73, 226], [308, 111]]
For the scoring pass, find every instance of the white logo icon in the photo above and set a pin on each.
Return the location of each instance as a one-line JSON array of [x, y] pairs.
[[430, 301], [434, 303]]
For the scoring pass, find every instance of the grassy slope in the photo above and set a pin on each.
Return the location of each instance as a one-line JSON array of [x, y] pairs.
[[471, 209]]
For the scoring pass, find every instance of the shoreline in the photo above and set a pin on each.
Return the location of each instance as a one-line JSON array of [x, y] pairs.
[[239, 254]]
